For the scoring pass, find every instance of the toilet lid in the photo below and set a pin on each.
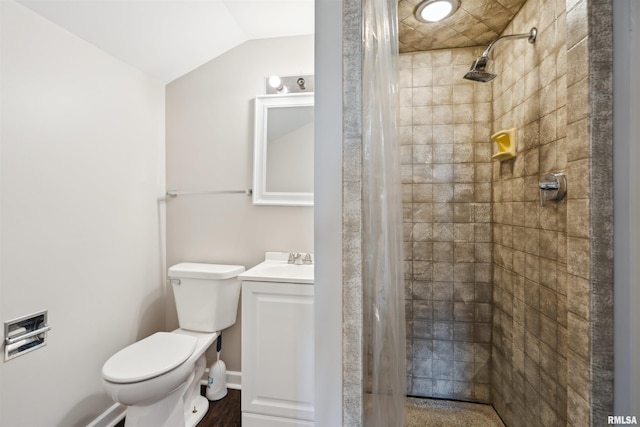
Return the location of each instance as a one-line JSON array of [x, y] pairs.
[[148, 358]]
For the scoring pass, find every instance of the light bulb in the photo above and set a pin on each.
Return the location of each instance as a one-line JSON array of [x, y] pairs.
[[275, 82], [436, 10]]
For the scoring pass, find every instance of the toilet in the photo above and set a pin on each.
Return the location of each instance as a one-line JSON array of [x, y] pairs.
[[158, 378]]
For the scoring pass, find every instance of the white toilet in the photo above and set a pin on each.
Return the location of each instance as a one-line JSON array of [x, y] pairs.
[[158, 378]]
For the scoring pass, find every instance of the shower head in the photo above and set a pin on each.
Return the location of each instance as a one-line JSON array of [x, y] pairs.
[[478, 71]]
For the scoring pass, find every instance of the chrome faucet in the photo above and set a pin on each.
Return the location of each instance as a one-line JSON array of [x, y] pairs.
[[297, 259]]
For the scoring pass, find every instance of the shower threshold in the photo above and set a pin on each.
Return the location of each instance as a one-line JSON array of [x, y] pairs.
[[423, 412]]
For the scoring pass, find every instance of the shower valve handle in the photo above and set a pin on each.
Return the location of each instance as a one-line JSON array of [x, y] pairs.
[[553, 187], [549, 186]]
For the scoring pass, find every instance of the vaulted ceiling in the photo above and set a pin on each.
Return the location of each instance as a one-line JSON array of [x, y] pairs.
[[475, 23], [169, 38]]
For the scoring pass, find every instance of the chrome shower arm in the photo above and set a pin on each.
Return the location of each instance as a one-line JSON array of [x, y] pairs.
[[531, 35], [479, 69]]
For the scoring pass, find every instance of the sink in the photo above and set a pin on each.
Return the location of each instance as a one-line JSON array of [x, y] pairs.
[[276, 269]]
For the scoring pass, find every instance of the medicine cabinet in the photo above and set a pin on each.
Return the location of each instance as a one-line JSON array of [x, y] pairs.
[[283, 150]]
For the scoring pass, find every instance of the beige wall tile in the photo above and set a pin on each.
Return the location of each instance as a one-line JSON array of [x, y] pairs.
[[451, 195], [578, 179], [577, 22], [578, 257], [577, 99], [483, 212]]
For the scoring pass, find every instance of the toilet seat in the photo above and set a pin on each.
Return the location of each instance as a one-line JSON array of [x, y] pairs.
[[149, 358]]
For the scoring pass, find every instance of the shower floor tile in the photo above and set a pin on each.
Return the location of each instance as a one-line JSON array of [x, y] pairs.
[[449, 413]]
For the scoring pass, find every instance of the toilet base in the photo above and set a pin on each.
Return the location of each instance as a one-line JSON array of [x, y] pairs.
[[163, 401], [201, 405], [168, 413], [183, 407]]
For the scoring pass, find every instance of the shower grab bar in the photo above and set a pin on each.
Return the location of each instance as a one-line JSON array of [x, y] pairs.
[[175, 193]]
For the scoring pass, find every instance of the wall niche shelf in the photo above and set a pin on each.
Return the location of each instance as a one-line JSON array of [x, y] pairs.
[[506, 140]]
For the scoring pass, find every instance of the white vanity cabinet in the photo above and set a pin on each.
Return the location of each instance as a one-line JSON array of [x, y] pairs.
[[277, 353]]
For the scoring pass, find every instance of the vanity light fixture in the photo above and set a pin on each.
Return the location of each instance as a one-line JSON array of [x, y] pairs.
[[436, 10], [289, 84], [276, 83]]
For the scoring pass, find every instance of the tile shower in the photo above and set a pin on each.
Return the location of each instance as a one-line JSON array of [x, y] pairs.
[[497, 287], [552, 267], [445, 127]]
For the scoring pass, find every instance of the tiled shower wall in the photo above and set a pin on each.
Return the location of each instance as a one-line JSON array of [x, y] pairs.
[[522, 389], [530, 344], [445, 128]]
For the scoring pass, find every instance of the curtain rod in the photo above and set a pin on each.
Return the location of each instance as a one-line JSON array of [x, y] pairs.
[[175, 193]]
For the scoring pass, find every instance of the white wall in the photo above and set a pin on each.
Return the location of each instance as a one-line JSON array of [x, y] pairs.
[[81, 161], [627, 207], [209, 146], [328, 211]]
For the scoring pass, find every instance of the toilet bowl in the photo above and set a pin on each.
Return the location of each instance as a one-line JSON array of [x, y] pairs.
[[158, 378]]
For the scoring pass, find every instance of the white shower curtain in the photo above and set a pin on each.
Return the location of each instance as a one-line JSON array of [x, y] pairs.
[[383, 289]]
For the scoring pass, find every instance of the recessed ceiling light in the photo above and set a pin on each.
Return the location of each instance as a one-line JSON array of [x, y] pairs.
[[436, 10]]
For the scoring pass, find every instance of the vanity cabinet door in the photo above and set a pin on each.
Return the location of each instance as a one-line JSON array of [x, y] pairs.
[[278, 351]]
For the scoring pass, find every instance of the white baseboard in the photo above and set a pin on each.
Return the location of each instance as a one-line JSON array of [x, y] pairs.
[[116, 412], [109, 418], [234, 380]]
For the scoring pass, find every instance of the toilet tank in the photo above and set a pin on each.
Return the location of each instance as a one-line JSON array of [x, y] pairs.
[[206, 295]]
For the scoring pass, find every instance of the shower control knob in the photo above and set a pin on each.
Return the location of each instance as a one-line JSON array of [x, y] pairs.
[[553, 187]]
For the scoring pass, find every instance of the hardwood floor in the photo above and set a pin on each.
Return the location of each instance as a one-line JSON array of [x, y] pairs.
[[222, 413], [225, 412]]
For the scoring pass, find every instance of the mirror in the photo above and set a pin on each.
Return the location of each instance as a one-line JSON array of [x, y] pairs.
[[283, 150]]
